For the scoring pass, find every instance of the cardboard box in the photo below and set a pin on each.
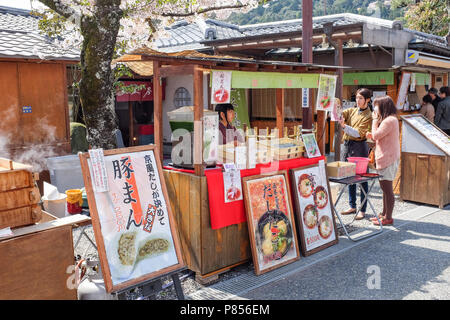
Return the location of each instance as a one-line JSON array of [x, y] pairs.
[[341, 170]]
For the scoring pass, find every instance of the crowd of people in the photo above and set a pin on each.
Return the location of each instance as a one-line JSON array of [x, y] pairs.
[[436, 107], [381, 125]]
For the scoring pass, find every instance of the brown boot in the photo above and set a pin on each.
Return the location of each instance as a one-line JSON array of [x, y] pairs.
[[349, 211]]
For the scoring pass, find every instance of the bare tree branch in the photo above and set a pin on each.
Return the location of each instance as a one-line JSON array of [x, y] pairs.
[[203, 10]]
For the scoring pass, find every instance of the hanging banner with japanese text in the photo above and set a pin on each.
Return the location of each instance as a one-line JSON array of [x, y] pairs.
[[132, 220], [221, 87], [326, 92]]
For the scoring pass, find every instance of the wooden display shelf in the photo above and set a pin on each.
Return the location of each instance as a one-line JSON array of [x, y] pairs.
[[205, 250]]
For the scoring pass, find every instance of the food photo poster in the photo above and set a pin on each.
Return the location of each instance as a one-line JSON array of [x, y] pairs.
[[311, 147], [313, 207], [132, 220], [271, 221]]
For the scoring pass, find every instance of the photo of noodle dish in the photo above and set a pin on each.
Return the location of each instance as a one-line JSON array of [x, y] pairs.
[[320, 197], [325, 227], [275, 235], [305, 185], [310, 216]]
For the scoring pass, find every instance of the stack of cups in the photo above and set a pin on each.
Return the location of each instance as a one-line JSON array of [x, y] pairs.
[[74, 201]]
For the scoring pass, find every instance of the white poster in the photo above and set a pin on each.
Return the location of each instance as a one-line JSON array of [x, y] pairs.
[[403, 92], [326, 92], [221, 87], [134, 218], [232, 185], [312, 149], [315, 208]]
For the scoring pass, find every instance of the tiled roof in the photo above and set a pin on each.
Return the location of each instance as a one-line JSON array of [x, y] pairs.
[[183, 34], [20, 38]]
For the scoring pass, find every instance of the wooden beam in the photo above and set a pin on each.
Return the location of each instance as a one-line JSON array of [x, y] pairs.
[[157, 108], [177, 70], [280, 104], [198, 124]]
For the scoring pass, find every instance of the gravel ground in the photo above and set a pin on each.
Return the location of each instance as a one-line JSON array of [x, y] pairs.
[[86, 250]]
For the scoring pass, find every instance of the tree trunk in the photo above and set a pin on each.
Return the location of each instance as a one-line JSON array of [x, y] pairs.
[[97, 79]]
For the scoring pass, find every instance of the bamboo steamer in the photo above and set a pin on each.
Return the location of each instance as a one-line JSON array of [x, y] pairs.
[[19, 196]]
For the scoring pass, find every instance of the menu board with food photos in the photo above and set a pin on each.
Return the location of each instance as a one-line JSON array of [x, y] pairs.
[[313, 205], [133, 225], [270, 221], [430, 131]]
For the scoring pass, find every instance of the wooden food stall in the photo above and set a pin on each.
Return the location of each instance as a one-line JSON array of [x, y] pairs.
[[425, 167], [37, 252], [214, 234]]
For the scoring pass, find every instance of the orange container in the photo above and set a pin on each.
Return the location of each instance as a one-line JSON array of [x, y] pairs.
[[74, 201]]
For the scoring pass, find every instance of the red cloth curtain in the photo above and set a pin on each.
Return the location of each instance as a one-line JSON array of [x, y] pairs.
[[224, 214]]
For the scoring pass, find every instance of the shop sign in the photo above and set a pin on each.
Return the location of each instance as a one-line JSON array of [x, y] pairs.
[[221, 87], [143, 91], [132, 219], [412, 56]]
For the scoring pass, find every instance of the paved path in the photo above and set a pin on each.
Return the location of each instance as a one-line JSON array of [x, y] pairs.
[[408, 261]]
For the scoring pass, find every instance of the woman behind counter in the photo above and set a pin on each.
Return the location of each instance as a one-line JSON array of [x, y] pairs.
[[385, 132], [355, 124]]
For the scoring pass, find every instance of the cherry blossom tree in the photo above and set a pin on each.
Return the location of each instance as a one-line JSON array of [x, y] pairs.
[[104, 29]]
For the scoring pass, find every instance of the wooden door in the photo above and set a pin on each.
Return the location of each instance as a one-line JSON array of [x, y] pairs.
[[42, 87], [9, 105]]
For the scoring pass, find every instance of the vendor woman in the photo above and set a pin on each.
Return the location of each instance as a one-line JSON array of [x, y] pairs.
[[228, 132], [356, 123]]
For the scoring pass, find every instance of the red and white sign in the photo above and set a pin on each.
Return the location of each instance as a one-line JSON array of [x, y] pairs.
[[145, 94], [221, 87]]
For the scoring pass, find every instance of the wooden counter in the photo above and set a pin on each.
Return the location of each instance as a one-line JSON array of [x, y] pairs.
[[206, 251]]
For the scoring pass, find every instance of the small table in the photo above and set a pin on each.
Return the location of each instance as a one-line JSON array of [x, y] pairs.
[[358, 179]]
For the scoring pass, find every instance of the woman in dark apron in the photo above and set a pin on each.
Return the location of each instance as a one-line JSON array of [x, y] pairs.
[[356, 123]]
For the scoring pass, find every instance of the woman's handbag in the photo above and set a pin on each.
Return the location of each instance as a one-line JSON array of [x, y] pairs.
[[372, 163]]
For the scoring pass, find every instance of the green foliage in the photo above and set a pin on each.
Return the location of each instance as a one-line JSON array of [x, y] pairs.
[[277, 10], [430, 16]]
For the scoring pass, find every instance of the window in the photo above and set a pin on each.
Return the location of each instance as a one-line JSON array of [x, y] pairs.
[[182, 97]]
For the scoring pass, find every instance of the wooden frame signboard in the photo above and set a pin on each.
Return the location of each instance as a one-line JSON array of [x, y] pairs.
[[133, 224], [314, 211], [270, 220]]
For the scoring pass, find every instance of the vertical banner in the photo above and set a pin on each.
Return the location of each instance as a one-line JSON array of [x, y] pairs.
[[402, 93], [326, 92], [221, 87], [239, 102]]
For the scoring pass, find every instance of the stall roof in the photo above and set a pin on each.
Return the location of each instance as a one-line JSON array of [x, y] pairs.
[[146, 54]]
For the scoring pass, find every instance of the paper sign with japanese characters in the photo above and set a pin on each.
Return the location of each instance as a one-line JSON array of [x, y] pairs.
[[136, 228], [221, 87], [326, 92]]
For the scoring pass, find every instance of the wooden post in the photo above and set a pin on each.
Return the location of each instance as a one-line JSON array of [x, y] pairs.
[[280, 104], [339, 61], [157, 108], [307, 55], [198, 124], [130, 124]]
